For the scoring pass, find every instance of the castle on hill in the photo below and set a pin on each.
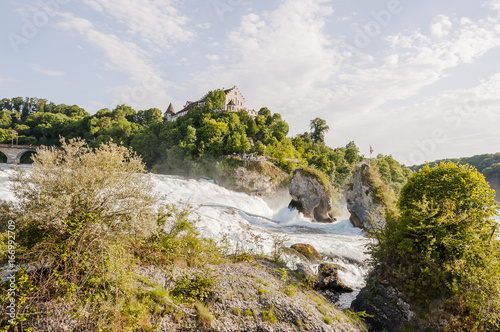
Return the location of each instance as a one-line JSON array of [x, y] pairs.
[[234, 103]]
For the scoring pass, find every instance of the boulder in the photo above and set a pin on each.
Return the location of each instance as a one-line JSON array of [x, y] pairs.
[[328, 278], [386, 311], [305, 272], [308, 251], [365, 213], [310, 197]]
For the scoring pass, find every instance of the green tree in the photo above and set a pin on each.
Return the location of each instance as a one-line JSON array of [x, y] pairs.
[[5, 119], [443, 246], [252, 128], [149, 116], [215, 100], [5, 135], [318, 129]]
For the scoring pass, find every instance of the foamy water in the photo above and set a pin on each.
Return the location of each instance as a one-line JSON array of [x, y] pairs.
[[238, 217]]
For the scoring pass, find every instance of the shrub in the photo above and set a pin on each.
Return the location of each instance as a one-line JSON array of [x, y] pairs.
[[442, 249], [107, 182], [83, 219], [204, 317], [268, 315], [191, 288]]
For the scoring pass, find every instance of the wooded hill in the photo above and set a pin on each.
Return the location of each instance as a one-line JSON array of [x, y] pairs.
[[487, 164], [188, 146]]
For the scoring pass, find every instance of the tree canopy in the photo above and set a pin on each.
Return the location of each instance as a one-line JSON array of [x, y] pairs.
[[443, 248], [318, 130], [204, 134]]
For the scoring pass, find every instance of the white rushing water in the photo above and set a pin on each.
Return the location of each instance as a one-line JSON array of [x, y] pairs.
[[238, 216], [225, 212]]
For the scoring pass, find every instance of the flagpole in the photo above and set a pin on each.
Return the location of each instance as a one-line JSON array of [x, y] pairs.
[[370, 159]]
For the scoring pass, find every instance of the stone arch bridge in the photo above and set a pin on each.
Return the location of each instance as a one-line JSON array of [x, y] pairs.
[[15, 152]]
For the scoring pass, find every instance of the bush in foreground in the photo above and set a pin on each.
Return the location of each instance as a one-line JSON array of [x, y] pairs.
[[87, 222], [442, 251]]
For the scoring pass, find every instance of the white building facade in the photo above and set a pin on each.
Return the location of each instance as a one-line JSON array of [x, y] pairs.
[[234, 102]]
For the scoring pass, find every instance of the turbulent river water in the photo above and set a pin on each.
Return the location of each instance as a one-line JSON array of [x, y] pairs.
[[239, 217]]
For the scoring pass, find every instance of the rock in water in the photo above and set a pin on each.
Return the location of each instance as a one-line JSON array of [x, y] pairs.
[[308, 251], [328, 278], [365, 212], [383, 304], [310, 197]]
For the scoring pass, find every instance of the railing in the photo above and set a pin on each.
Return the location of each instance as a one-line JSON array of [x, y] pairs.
[[18, 146]]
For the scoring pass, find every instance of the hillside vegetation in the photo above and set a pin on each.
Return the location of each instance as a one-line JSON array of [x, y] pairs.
[[193, 145], [487, 164]]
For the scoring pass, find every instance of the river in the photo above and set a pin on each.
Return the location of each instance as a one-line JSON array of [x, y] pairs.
[[239, 217]]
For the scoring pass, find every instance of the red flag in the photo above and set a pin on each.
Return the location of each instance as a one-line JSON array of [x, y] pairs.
[[371, 149]]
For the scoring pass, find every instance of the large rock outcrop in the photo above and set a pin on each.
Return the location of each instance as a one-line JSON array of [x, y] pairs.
[[310, 197], [365, 212], [383, 304], [259, 178]]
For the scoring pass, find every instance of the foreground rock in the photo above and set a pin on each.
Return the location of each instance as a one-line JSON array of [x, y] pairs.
[[386, 309], [328, 278], [365, 212], [246, 297], [310, 197], [308, 251], [306, 273]]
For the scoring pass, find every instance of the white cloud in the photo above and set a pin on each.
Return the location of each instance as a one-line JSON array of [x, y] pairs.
[[212, 57], [157, 23], [286, 51], [203, 26], [145, 87], [415, 60], [345, 18], [441, 25], [437, 127], [493, 4], [45, 71]]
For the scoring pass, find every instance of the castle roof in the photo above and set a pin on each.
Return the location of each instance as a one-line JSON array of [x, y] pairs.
[[170, 110]]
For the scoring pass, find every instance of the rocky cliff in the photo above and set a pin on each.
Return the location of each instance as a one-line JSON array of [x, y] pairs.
[[258, 178], [366, 210], [311, 196]]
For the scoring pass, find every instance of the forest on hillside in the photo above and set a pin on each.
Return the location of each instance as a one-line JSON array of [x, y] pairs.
[[193, 143]]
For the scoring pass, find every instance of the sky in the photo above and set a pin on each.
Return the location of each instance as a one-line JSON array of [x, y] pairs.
[[418, 80]]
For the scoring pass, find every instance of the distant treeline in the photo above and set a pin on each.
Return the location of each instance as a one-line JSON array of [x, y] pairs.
[[487, 164]]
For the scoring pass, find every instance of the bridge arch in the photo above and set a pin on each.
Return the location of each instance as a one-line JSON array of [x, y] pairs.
[[3, 157], [24, 157], [15, 152]]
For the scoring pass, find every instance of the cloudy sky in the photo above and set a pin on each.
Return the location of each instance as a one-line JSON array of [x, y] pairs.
[[419, 80]]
